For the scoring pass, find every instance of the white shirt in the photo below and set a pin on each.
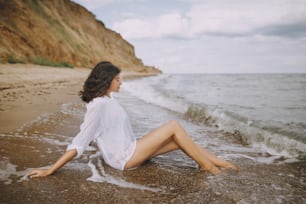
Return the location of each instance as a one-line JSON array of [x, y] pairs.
[[106, 122]]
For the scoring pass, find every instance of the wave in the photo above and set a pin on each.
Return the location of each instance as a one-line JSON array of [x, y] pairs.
[[272, 138], [155, 96]]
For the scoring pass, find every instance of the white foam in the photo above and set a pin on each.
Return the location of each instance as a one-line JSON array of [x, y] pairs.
[[55, 142], [7, 170], [99, 175], [73, 109], [264, 140], [43, 118], [146, 93]]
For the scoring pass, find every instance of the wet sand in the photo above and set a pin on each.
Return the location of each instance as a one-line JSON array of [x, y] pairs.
[[28, 92], [256, 183]]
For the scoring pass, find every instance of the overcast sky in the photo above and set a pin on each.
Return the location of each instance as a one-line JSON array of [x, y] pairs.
[[210, 36]]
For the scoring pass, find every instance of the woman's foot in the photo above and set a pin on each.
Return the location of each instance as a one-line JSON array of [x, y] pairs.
[[230, 166], [214, 170]]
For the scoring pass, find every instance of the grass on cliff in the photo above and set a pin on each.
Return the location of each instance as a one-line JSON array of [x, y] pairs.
[[53, 23], [13, 60], [45, 62], [40, 61]]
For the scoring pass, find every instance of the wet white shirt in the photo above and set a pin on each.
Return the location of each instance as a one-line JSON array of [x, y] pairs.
[[108, 124]]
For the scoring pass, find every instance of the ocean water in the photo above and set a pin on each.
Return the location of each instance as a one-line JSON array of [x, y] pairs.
[[265, 111], [256, 121]]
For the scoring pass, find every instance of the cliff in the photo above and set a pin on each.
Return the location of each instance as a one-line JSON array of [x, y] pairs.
[[61, 32]]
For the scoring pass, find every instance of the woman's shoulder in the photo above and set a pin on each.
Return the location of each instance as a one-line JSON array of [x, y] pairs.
[[101, 101]]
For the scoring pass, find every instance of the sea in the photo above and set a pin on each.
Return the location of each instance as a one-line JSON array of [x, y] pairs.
[[256, 121], [266, 111]]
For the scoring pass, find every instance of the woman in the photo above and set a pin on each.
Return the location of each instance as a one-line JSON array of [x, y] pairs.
[[108, 124]]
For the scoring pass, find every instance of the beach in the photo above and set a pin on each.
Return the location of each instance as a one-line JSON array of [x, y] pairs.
[[41, 113], [28, 91]]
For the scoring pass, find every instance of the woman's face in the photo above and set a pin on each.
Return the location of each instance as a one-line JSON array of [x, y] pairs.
[[115, 85]]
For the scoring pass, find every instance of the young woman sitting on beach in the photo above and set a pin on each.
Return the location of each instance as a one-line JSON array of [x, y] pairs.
[[108, 124]]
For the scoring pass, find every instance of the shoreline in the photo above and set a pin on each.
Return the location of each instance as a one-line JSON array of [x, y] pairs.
[[172, 178], [28, 91]]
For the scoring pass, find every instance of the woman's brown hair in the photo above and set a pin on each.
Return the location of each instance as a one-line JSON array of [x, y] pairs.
[[98, 81]]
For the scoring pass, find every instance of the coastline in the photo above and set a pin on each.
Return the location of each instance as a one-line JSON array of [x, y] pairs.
[[28, 91], [171, 178]]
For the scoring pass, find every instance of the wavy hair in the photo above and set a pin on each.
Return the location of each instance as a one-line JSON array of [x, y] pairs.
[[98, 81]]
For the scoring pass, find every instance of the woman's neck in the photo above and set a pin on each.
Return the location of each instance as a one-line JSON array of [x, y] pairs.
[[108, 94]]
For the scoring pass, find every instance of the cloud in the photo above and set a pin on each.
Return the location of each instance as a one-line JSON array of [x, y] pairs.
[[293, 30], [96, 4], [237, 36], [246, 17], [93, 4], [167, 25], [282, 18]]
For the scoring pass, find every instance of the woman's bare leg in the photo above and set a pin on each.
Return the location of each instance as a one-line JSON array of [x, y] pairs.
[[218, 161], [161, 140], [171, 146]]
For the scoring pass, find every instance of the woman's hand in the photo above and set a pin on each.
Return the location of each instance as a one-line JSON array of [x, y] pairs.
[[39, 173], [66, 157]]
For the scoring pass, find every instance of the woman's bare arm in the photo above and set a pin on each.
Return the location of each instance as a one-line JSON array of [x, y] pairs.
[[67, 156]]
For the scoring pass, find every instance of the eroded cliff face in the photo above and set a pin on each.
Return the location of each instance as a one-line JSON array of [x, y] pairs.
[[61, 31]]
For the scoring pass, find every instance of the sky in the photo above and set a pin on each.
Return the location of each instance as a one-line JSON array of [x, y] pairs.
[[210, 36]]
